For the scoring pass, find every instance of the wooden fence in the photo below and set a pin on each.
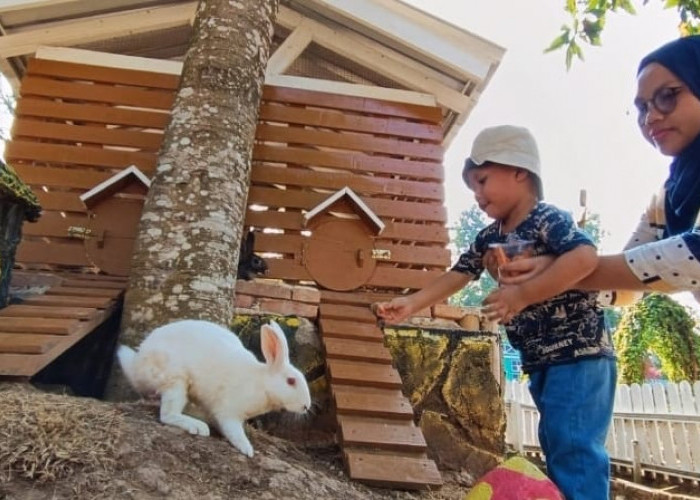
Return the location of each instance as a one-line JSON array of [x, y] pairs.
[[655, 429]]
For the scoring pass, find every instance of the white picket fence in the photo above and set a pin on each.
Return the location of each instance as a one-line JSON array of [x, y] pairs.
[[655, 429]]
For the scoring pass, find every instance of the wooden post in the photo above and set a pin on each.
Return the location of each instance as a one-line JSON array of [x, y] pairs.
[[636, 462]]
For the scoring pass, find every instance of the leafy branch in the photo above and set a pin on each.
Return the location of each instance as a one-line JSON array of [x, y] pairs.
[[588, 21]]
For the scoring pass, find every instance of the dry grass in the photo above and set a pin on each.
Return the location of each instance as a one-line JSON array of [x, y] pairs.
[[47, 436]]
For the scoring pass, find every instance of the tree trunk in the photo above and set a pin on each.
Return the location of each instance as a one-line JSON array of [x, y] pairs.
[[187, 248]]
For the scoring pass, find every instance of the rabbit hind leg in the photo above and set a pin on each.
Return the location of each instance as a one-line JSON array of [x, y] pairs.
[[172, 403], [233, 431]]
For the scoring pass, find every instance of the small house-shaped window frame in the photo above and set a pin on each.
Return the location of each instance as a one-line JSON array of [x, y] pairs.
[[360, 206], [113, 185]]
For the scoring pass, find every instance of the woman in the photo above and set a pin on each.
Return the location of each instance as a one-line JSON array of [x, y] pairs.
[[663, 253]]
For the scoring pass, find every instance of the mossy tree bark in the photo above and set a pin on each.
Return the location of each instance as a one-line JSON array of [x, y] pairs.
[[186, 252]]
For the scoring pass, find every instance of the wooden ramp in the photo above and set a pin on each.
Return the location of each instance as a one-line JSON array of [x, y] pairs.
[[42, 327], [381, 444]]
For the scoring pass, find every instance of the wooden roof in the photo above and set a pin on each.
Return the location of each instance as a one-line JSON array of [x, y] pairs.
[[378, 48]]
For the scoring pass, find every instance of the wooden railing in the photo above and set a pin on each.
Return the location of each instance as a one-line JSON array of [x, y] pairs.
[[655, 428]]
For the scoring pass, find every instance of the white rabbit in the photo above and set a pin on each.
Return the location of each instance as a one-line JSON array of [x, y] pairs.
[[208, 364]]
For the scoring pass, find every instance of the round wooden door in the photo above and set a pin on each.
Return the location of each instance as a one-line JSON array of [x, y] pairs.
[[338, 255]]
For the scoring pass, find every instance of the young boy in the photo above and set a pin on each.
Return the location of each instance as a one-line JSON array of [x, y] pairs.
[[565, 347]]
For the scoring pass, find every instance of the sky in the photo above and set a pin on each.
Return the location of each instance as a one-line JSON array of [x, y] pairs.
[[583, 119]]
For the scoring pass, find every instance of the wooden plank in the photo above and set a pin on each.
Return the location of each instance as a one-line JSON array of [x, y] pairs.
[[68, 252], [96, 92], [363, 374], [35, 311], [388, 404], [30, 128], [358, 350], [408, 233], [430, 233], [64, 69], [74, 177], [19, 343], [68, 301], [54, 225], [88, 281], [79, 155], [354, 298], [91, 276], [354, 313], [334, 119], [389, 471], [349, 141], [353, 162], [286, 269], [60, 201], [382, 435], [428, 114], [368, 186], [388, 277], [393, 209], [331, 328], [19, 365], [85, 292], [57, 326], [411, 254], [91, 113]]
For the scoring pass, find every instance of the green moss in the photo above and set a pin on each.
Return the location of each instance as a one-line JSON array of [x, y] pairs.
[[12, 187]]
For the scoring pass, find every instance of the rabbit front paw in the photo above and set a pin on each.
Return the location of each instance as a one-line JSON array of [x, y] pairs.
[[234, 432], [198, 428], [245, 447]]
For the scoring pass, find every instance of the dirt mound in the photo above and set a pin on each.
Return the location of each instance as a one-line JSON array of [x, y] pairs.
[[58, 446]]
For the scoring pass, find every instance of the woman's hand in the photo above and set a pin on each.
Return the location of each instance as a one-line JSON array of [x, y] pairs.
[[504, 303], [520, 270]]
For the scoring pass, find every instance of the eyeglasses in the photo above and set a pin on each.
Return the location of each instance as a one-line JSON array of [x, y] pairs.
[[664, 101]]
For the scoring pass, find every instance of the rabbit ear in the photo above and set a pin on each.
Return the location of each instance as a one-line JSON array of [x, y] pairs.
[[274, 345]]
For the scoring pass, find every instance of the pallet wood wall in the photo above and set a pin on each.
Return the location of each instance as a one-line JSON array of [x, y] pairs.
[[76, 125]]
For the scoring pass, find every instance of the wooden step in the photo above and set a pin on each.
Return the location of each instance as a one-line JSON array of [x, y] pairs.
[[68, 301], [47, 312], [389, 471], [84, 292], [363, 374], [358, 350], [381, 435], [354, 313], [26, 343], [392, 404], [351, 330], [57, 326]]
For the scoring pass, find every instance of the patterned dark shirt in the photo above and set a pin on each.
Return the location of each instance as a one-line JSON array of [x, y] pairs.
[[565, 328]]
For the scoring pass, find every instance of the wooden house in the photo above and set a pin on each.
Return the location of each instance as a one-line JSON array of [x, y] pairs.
[[361, 99]]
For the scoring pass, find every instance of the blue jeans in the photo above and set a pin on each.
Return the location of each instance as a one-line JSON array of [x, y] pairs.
[[575, 401]]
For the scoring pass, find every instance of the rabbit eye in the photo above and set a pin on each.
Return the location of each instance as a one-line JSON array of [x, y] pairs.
[[291, 381]]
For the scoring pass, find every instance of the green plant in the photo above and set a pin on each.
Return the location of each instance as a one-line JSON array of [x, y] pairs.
[[657, 324]]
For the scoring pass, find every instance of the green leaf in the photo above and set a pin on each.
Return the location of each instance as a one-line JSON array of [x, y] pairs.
[[559, 41], [571, 6], [670, 4], [628, 7]]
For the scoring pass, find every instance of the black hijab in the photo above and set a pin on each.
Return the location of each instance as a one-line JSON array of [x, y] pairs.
[[682, 58]]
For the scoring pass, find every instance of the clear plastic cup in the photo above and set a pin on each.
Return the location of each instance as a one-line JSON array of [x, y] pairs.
[[512, 250]]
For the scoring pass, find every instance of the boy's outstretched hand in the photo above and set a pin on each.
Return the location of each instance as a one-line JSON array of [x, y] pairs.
[[394, 311]]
